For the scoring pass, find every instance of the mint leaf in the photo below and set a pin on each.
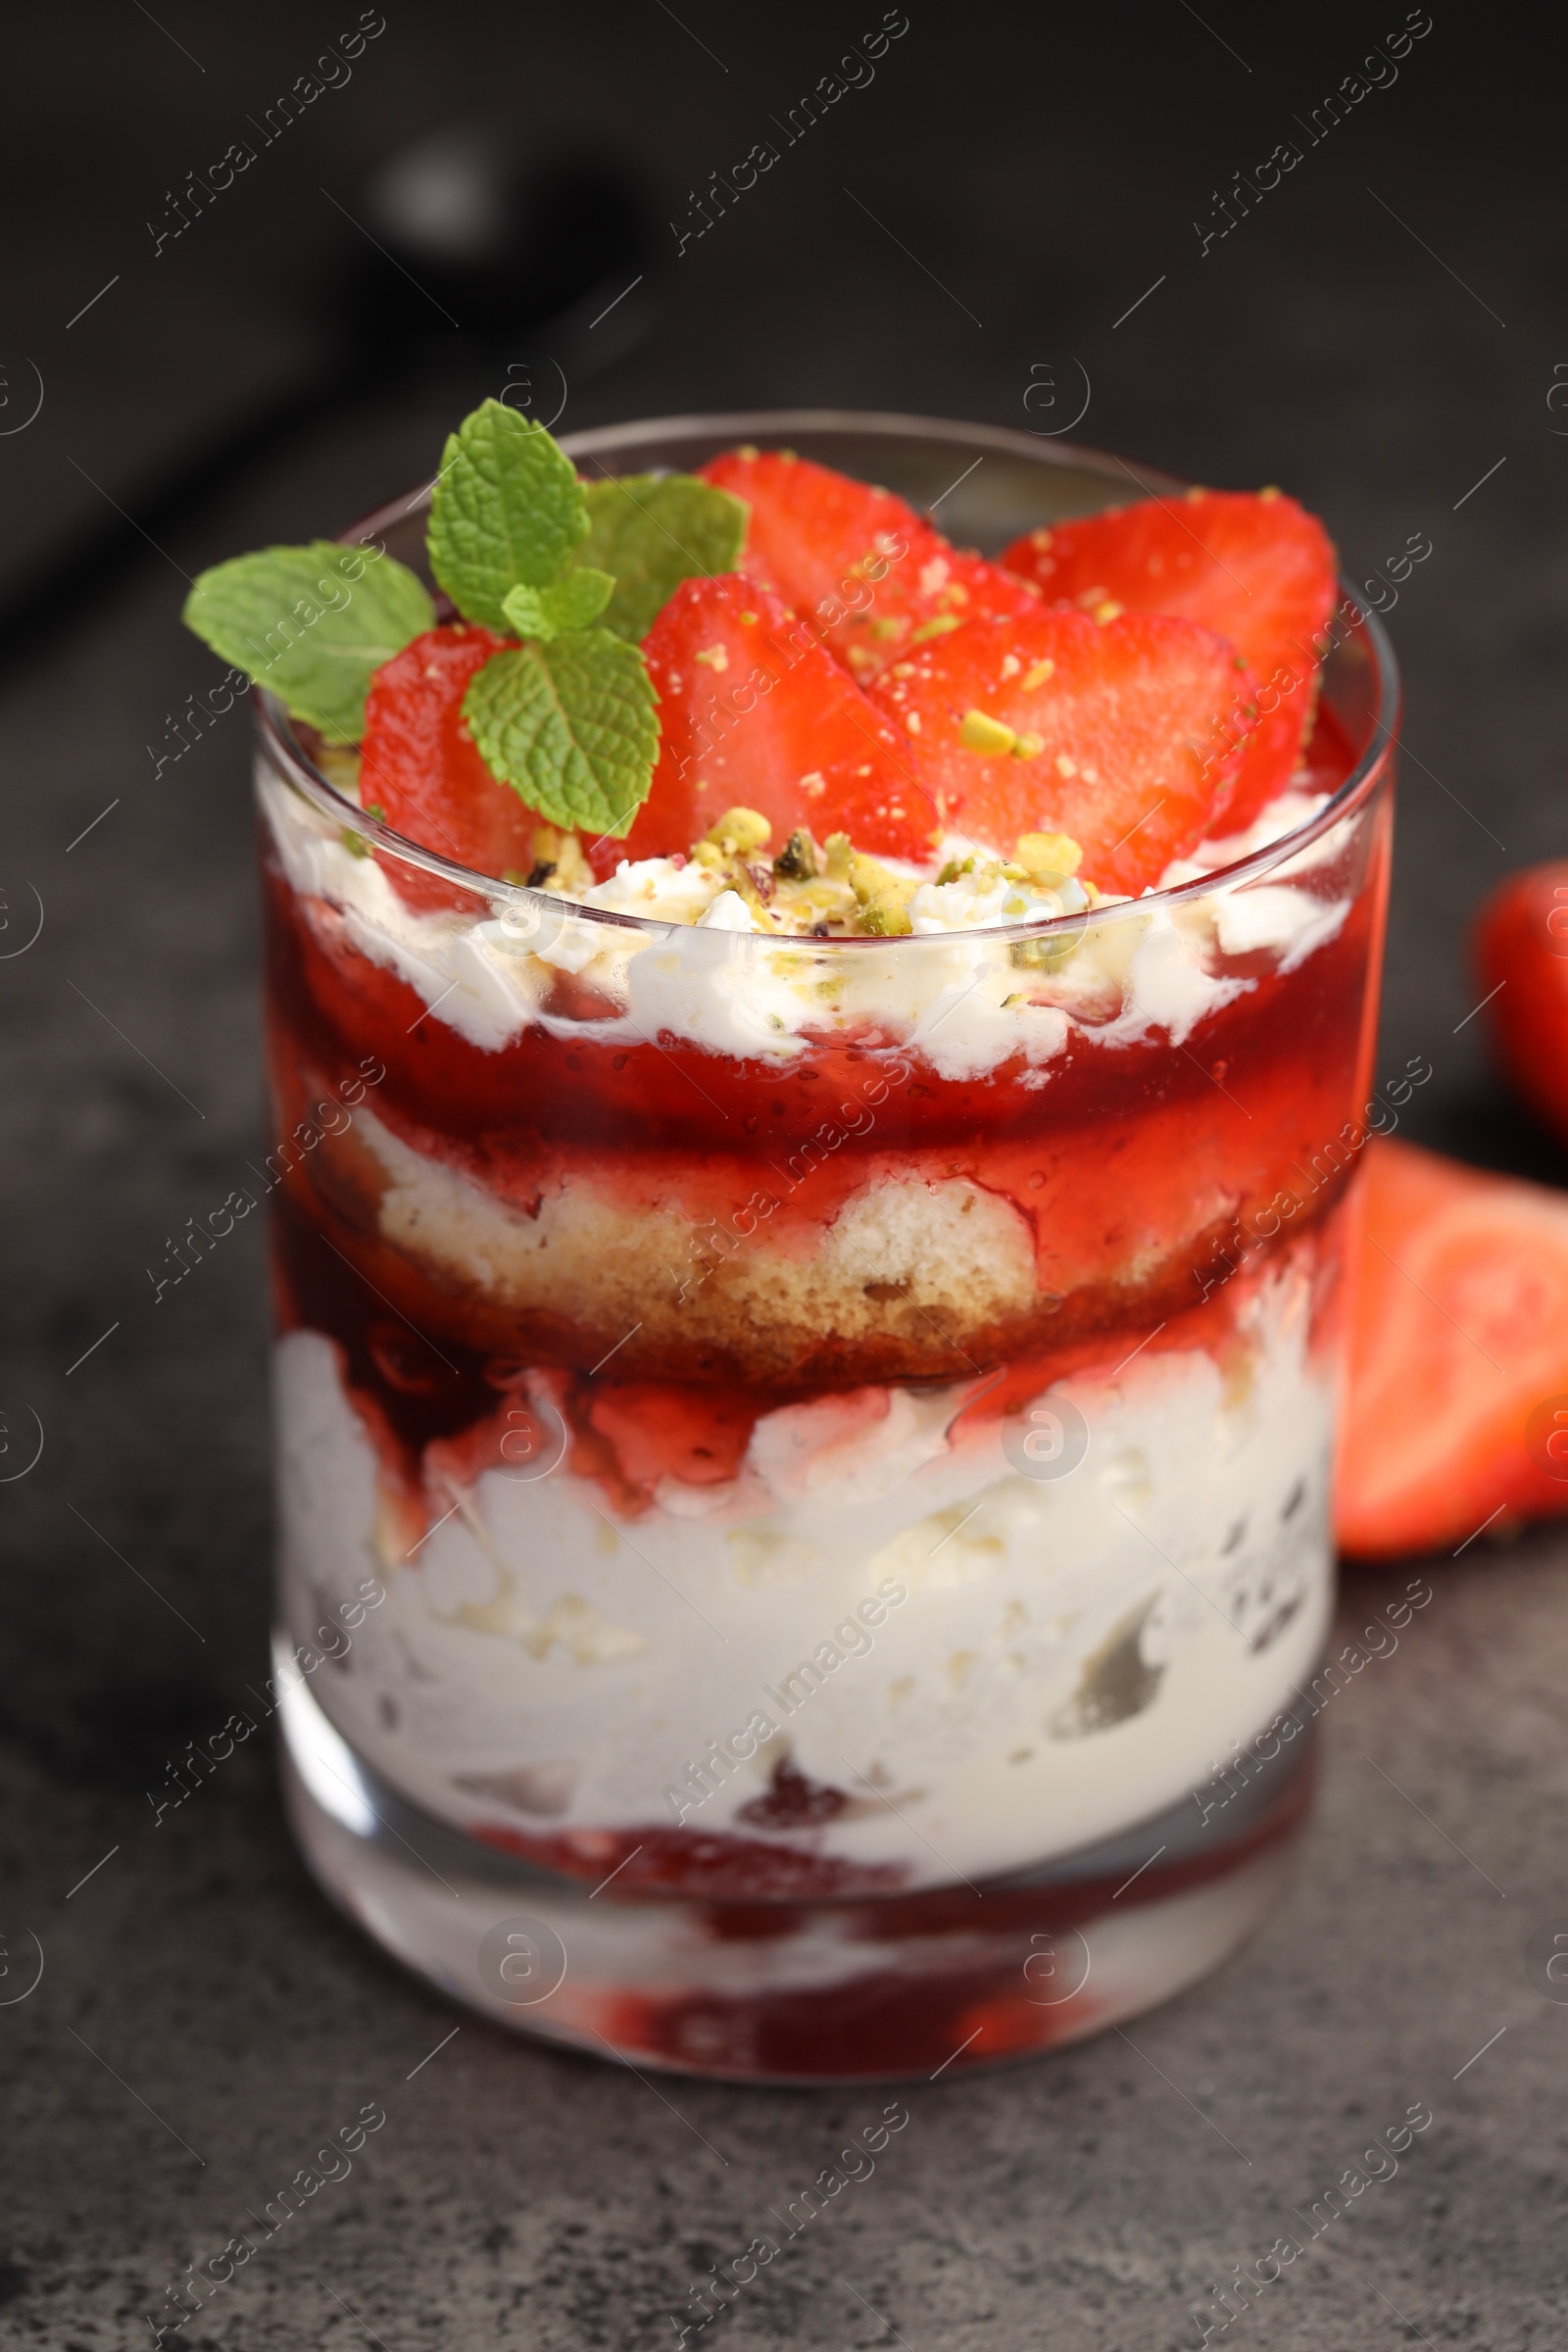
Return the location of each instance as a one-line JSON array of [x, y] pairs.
[[311, 623], [569, 603], [654, 530], [506, 508], [571, 727]]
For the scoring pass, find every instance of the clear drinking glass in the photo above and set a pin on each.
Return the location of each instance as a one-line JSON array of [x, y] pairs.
[[804, 1465]]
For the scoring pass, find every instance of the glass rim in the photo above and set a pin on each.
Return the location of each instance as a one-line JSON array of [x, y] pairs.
[[300, 770]]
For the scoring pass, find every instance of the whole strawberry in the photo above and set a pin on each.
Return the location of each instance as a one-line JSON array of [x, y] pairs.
[[1520, 944]]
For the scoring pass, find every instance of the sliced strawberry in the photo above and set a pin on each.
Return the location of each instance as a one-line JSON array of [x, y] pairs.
[[864, 566], [1125, 733], [1259, 569], [1521, 955], [1459, 1395], [421, 767], [756, 714]]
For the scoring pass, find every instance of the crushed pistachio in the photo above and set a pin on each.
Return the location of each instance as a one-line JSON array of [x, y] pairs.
[[567, 871], [882, 897], [981, 733], [1048, 854], [937, 626], [799, 859], [812, 890], [1038, 673], [739, 831]]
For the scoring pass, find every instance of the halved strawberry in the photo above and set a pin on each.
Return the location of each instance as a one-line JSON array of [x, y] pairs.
[[1259, 569], [872, 573], [422, 768], [1521, 956], [1459, 1394], [754, 714], [1124, 734]]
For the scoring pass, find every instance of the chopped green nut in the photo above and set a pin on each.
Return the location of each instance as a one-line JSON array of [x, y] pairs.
[[1048, 854], [799, 859], [882, 897], [740, 831], [989, 736]]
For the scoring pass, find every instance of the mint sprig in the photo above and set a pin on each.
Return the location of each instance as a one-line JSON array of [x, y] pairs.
[[653, 531], [571, 724], [572, 601], [506, 511], [312, 623], [569, 717]]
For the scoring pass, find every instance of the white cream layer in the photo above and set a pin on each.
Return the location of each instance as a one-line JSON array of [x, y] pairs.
[[952, 993], [1071, 1655]]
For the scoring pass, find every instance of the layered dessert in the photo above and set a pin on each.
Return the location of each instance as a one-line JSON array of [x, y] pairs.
[[822, 1313]]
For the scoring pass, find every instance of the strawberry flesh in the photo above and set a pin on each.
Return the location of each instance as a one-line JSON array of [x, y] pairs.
[[869, 570], [754, 714], [421, 767], [1256, 568], [1458, 1396], [1128, 733], [1521, 957]]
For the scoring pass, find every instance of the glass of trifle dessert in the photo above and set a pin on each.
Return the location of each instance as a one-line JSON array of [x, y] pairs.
[[817, 1078]]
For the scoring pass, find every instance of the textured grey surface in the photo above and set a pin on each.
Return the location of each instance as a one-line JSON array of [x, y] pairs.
[[196, 1994]]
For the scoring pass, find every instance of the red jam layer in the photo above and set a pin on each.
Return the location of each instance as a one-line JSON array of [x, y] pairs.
[[968, 1999]]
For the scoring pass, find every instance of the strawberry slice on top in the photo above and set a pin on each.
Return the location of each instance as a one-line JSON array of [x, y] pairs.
[[422, 771], [1256, 567], [873, 573], [1125, 734], [754, 714]]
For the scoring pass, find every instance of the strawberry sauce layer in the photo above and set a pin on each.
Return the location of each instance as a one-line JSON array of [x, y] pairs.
[[966, 1986]]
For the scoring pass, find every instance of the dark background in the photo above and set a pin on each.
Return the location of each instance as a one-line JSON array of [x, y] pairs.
[[1031, 172]]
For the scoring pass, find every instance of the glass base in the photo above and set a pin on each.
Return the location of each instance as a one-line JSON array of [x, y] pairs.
[[938, 1981]]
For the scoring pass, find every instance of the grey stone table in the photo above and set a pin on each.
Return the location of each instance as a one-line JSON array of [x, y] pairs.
[[203, 2023]]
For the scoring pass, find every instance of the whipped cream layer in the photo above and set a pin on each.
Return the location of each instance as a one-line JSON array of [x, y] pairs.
[[955, 992], [1002, 1665]]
